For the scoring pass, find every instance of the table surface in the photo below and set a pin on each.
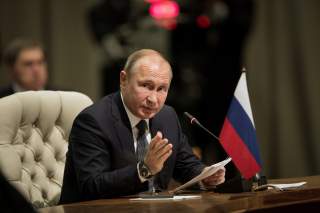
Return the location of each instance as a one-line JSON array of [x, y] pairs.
[[262, 201]]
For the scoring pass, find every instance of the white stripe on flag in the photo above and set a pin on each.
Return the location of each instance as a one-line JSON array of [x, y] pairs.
[[241, 94]]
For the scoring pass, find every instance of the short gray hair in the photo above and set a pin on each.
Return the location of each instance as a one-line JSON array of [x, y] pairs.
[[139, 54]]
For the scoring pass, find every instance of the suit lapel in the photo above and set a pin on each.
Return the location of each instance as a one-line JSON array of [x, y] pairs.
[[156, 125], [122, 125]]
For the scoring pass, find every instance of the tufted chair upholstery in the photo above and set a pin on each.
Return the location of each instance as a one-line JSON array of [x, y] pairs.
[[34, 132]]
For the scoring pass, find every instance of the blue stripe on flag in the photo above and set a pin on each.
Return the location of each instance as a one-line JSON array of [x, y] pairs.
[[242, 124]]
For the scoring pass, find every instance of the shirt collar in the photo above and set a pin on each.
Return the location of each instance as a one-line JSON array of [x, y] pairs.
[[17, 88], [134, 120]]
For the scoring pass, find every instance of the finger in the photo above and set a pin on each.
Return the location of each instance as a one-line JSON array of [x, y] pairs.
[[165, 156], [159, 134], [155, 140], [160, 145], [215, 181], [223, 169], [210, 182], [164, 150], [219, 181], [219, 172], [214, 177], [222, 180]]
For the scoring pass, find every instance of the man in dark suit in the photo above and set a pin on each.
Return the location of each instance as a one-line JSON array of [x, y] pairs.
[[108, 157], [26, 63]]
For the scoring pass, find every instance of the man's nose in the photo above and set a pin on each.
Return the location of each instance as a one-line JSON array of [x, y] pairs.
[[35, 67], [152, 98], [37, 64]]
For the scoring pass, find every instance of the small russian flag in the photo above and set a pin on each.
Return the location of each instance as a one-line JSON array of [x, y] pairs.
[[238, 134]]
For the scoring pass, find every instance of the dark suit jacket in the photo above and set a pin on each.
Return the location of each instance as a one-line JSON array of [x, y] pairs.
[[11, 200], [5, 91], [101, 161]]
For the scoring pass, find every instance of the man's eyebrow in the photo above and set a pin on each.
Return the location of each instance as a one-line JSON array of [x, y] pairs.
[[146, 81]]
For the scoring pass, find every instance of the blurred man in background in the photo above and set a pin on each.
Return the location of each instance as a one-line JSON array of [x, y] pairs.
[[25, 60]]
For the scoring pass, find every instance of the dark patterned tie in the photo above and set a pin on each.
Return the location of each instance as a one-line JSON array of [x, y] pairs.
[[142, 147], [142, 142]]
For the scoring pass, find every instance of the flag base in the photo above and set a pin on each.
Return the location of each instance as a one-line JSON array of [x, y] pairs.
[[260, 179], [235, 185]]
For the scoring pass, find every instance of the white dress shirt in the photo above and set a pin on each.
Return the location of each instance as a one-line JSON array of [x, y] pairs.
[[134, 120]]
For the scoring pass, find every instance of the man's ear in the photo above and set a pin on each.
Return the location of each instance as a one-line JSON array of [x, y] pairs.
[[123, 79]]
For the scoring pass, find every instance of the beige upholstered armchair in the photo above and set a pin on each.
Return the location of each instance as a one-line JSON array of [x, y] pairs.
[[34, 132]]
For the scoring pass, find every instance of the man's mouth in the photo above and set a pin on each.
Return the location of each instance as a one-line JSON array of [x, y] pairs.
[[148, 109]]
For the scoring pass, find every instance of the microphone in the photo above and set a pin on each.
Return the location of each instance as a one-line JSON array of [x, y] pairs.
[[195, 121], [236, 183]]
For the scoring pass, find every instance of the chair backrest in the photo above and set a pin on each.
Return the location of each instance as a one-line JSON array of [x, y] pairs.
[[34, 134]]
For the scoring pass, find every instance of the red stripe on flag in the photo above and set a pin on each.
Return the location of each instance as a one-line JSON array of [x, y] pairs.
[[239, 152]]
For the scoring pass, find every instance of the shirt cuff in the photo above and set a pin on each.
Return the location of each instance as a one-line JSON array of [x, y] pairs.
[[201, 185]]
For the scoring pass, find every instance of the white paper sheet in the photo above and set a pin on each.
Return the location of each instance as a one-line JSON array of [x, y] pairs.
[[174, 198], [289, 185], [281, 187], [208, 171]]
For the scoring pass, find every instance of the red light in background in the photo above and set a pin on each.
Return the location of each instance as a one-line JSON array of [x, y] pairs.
[[164, 10], [203, 21], [169, 24], [153, 1]]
